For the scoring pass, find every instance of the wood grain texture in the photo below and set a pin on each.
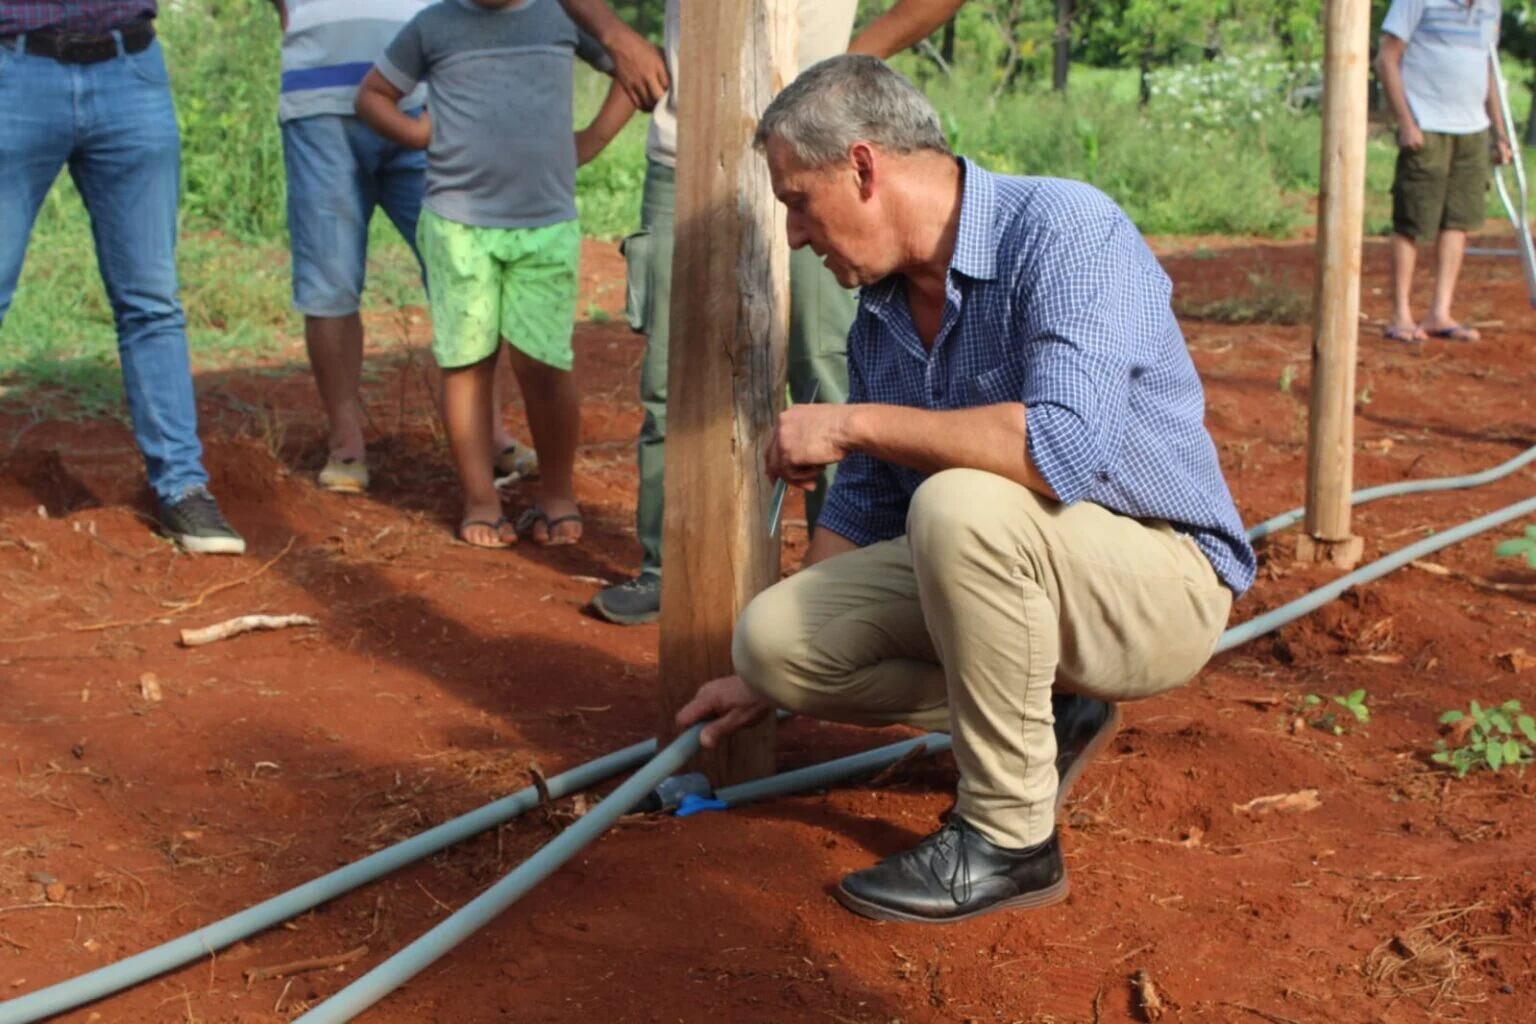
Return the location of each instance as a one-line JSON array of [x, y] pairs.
[[725, 370], [1331, 425]]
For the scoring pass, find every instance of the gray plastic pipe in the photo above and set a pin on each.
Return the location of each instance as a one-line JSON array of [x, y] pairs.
[[411, 960], [1370, 494], [115, 977], [1272, 620], [478, 912]]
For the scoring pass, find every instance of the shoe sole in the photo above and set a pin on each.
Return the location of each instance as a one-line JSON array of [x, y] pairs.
[[618, 619], [1026, 901], [210, 545], [343, 488], [1075, 770]]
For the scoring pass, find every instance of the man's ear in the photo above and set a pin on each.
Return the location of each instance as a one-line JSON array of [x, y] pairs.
[[862, 156]]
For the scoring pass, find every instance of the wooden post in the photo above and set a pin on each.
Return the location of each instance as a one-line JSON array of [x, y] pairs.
[[1340, 223], [725, 370]]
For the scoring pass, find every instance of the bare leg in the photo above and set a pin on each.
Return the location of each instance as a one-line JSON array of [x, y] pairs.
[[467, 416], [501, 437], [335, 345], [1449, 251], [554, 417], [1405, 253]]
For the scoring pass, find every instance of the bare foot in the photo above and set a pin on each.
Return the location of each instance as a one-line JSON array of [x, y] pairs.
[[486, 528], [1405, 332], [552, 522], [1449, 330]]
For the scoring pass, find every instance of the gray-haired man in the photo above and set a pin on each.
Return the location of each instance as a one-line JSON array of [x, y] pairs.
[[1027, 501]]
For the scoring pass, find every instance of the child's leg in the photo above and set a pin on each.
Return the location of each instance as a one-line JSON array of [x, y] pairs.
[[538, 304], [465, 297], [554, 418], [467, 416]]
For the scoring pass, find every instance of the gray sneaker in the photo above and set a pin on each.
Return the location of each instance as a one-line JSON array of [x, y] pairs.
[[195, 523], [631, 603]]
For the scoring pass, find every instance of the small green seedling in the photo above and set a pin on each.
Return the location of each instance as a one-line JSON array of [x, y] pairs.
[[1321, 714], [597, 314], [1492, 739], [1520, 546], [1287, 376]]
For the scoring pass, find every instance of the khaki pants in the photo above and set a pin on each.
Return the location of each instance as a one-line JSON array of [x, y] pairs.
[[994, 596]]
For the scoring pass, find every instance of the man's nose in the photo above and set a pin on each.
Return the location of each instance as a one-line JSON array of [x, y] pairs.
[[794, 228]]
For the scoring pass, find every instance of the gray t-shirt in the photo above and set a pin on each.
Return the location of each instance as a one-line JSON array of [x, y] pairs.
[[499, 85], [1445, 64]]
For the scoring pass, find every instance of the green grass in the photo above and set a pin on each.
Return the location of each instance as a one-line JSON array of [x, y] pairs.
[[1251, 178]]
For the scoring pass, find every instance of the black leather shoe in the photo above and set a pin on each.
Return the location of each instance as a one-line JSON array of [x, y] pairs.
[[955, 874], [1083, 726]]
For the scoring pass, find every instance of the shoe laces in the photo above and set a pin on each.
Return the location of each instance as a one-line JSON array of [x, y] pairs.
[[198, 509], [638, 584], [951, 857]]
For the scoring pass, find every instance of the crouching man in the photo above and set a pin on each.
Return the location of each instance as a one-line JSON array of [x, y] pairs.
[[1028, 523]]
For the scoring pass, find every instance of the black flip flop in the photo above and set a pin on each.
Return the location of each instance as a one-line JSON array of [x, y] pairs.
[[534, 516]]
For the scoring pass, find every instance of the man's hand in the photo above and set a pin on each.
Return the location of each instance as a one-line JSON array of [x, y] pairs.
[[806, 439], [1409, 137], [1501, 150], [639, 67], [732, 704]]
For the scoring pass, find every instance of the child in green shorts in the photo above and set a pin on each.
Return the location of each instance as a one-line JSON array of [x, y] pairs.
[[498, 232]]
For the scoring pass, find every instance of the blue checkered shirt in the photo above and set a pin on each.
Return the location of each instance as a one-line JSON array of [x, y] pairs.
[[89, 16], [1055, 301]]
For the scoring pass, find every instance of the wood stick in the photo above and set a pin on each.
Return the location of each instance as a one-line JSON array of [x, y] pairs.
[[1331, 423], [178, 608], [314, 963], [241, 624]]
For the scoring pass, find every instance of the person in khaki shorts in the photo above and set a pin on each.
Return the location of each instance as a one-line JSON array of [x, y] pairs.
[[1434, 67], [1028, 506]]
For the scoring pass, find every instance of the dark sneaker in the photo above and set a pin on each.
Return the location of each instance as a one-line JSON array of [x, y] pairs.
[[955, 874], [1083, 726], [194, 522], [631, 603]]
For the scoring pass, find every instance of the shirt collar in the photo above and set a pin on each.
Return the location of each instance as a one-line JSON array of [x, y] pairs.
[[975, 253]]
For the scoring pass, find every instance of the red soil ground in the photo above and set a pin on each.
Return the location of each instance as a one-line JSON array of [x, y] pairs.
[[439, 675]]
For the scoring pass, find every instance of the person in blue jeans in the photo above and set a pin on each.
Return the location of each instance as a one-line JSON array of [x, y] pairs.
[[339, 172], [84, 85]]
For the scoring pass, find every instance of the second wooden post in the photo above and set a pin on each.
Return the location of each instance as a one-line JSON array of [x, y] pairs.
[[725, 368], [1340, 224]]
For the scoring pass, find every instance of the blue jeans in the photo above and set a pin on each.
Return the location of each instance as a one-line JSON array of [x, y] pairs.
[[338, 172], [113, 125]]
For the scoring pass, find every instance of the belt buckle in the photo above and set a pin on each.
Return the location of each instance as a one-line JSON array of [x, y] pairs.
[[78, 48]]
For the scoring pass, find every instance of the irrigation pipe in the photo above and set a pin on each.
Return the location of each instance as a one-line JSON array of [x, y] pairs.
[[1370, 494], [142, 966], [411, 960], [105, 981], [478, 912]]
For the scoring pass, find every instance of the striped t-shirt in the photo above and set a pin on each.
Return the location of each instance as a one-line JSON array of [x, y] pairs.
[[329, 47]]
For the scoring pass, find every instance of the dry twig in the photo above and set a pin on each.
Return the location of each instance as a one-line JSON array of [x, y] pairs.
[[313, 963], [241, 624], [177, 608]]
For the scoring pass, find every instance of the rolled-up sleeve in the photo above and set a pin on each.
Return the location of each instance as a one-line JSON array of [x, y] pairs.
[[1076, 373], [866, 503]]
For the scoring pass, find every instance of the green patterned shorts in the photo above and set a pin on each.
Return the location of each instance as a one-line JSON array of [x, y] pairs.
[[485, 284]]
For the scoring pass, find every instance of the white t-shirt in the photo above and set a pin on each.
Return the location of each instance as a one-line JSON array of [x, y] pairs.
[[1445, 65], [825, 27]]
